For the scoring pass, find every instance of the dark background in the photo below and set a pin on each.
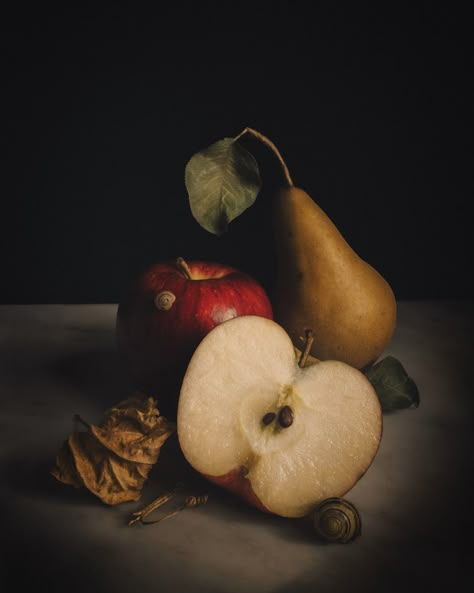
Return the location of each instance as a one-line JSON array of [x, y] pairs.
[[372, 111]]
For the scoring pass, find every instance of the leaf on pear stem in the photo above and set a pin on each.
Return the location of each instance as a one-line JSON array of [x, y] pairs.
[[395, 389], [222, 181], [114, 458]]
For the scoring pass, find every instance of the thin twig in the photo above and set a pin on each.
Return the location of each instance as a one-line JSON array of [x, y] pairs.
[[183, 266], [309, 334], [189, 502], [140, 515], [272, 147]]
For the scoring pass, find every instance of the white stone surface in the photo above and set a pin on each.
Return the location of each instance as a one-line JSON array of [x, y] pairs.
[[415, 501]]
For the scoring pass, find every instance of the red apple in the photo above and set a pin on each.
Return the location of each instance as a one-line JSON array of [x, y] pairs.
[[169, 310]]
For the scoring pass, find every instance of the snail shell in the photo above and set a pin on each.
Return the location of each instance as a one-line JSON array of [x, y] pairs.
[[164, 300], [337, 520]]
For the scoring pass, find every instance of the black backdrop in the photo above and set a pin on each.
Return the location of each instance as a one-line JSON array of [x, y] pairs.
[[372, 112]]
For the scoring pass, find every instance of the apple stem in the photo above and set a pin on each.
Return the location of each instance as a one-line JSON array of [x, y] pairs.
[[183, 267], [272, 147], [309, 335]]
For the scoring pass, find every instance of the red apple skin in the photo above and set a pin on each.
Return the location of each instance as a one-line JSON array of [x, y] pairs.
[[157, 345], [236, 482]]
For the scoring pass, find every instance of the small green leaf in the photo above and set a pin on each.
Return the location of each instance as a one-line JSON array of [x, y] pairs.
[[222, 181], [395, 389]]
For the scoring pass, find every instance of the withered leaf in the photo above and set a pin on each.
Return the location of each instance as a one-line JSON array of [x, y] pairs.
[[65, 469], [106, 475], [114, 458], [134, 430]]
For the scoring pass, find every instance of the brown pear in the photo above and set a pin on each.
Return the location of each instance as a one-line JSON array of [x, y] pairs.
[[324, 285]]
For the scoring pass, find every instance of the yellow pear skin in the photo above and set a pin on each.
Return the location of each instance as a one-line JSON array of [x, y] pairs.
[[322, 284]]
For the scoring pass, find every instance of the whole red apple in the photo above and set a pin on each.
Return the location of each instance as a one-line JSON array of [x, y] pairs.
[[169, 310]]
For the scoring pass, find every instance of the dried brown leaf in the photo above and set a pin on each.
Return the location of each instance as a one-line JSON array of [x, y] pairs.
[[65, 469], [134, 430], [113, 459], [106, 475]]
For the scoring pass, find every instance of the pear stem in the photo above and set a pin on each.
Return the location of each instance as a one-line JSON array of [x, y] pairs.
[[183, 267], [272, 147], [309, 334]]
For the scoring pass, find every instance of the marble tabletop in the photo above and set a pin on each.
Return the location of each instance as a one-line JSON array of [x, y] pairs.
[[415, 501]]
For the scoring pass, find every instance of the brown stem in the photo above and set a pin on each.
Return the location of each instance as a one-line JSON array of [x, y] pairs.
[[309, 334], [183, 267], [139, 516], [272, 147], [190, 502]]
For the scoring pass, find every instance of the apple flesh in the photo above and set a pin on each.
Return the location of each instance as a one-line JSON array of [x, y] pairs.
[[282, 437], [169, 310]]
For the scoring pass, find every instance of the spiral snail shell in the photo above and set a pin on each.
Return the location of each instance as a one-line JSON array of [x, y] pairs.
[[164, 300], [337, 520]]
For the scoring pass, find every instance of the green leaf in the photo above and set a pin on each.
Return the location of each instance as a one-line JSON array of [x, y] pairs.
[[395, 389], [222, 181]]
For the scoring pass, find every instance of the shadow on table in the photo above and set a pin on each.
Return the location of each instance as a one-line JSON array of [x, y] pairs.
[[99, 374], [32, 478]]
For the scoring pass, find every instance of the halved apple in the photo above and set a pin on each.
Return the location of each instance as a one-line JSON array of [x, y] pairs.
[[282, 437]]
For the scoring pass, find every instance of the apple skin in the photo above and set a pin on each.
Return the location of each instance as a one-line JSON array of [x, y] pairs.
[[157, 345], [236, 482]]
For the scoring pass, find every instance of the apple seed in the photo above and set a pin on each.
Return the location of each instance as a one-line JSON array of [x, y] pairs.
[[285, 417], [269, 418]]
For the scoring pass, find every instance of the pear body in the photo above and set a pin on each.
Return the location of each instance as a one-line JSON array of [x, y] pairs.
[[322, 284]]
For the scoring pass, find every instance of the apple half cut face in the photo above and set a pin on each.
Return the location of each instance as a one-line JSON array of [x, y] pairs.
[[282, 437]]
